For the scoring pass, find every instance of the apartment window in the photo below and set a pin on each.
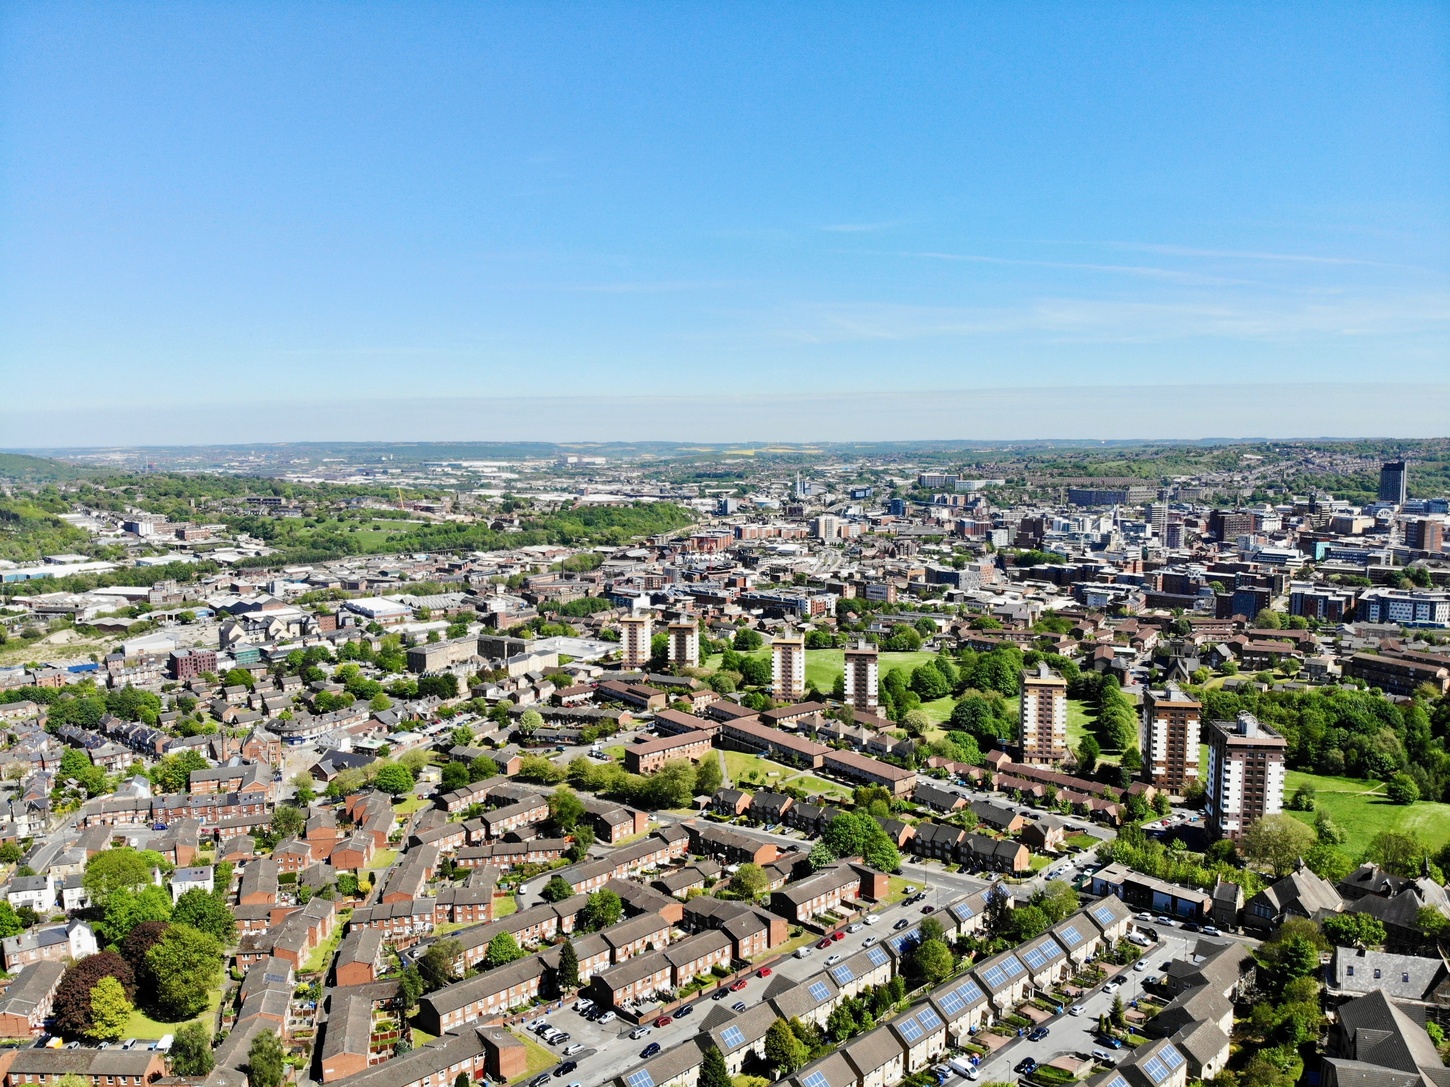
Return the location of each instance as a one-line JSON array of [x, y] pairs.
[[1376, 974], [1405, 977], [1349, 971]]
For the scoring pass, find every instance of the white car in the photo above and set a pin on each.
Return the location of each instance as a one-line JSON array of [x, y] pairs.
[[833, 960], [854, 927], [872, 919], [607, 1017], [1076, 1009], [868, 941], [1140, 966], [1112, 986]]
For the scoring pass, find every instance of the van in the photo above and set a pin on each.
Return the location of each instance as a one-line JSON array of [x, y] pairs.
[[164, 1045], [639, 1032], [961, 1066], [804, 951]]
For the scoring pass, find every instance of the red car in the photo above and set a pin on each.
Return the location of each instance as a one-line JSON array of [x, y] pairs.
[[824, 944], [663, 1021], [738, 986], [764, 972], [838, 935], [928, 909]]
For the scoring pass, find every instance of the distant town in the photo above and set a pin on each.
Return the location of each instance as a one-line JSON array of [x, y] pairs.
[[666, 766]]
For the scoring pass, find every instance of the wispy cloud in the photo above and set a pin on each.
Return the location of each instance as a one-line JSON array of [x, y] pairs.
[[1085, 320], [1242, 254], [1173, 275]]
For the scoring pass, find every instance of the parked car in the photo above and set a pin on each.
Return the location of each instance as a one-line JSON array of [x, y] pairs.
[[649, 1051], [928, 908], [577, 1047], [738, 1006], [838, 935], [688, 1009], [1110, 1041], [1112, 986], [738, 986], [539, 1080], [1140, 966], [764, 972], [608, 1017], [559, 1037], [1037, 1034], [583, 1004], [1025, 1067], [833, 960], [1209, 930], [638, 1032], [1076, 1009], [720, 994], [871, 919], [663, 1021], [824, 943], [868, 941], [902, 923], [565, 1068], [854, 927]]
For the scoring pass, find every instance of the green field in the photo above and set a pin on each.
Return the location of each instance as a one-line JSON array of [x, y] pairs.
[[142, 1026], [1361, 809], [824, 665], [739, 766]]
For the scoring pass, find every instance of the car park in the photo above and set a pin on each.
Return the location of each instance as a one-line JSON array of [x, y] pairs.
[[649, 1051]]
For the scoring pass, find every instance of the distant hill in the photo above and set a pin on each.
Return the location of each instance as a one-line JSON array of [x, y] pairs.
[[22, 469]]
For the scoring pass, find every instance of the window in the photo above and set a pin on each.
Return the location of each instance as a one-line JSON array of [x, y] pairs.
[[1377, 974], [1349, 971], [1405, 977]]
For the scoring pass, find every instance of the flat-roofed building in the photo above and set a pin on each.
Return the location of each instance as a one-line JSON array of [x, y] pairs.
[[862, 675], [1245, 774], [684, 638], [1042, 731], [1170, 739], [788, 667], [634, 641]]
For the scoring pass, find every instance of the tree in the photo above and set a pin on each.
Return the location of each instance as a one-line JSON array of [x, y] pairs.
[[1329, 863], [1027, 923], [583, 839], [881, 853], [119, 869], [191, 1051], [1278, 841], [436, 964], [10, 924], [821, 856], [1353, 930], [127, 909], [708, 776], [141, 939], [750, 881], [565, 809], [71, 1008], [568, 968], [410, 984], [530, 721], [932, 959], [1328, 831], [602, 909], [783, 1050], [1118, 1016], [288, 822], [208, 912], [714, 1073], [265, 1067], [502, 950], [185, 964], [394, 779], [1402, 789], [1057, 899], [1087, 756], [557, 889], [110, 1010], [841, 1023], [1399, 854]]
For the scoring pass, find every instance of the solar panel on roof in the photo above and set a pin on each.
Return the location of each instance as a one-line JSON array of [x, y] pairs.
[[909, 1029], [820, 991], [877, 956], [733, 1037], [1069, 935], [814, 1079], [1103, 913], [843, 974], [1116, 1081], [950, 1002], [994, 976], [964, 911], [1171, 1057], [969, 990], [928, 1018], [1012, 966], [1035, 958], [642, 1078], [1154, 1070]]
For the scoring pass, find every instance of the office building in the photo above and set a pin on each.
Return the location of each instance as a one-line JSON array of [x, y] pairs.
[[1408, 607], [1169, 740], [788, 670], [861, 677], [826, 527], [1245, 775], [1392, 482], [1042, 732], [685, 644], [1425, 534], [1158, 518], [634, 640]]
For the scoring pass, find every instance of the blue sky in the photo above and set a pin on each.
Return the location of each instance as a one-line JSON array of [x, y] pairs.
[[260, 209]]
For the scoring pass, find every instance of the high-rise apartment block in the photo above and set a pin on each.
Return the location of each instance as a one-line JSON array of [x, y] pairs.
[[1245, 774], [1042, 734], [1425, 534], [685, 644], [862, 673], [1392, 482], [634, 640], [788, 671], [1169, 740]]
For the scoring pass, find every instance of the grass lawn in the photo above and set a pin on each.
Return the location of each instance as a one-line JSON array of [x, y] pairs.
[[898, 886], [383, 858], [1080, 723], [539, 1059], [815, 785], [140, 1025], [1040, 861], [739, 765], [1360, 808], [939, 709], [422, 1037], [615, 752], [412, 804], [323, 953], [824, 665], [503, 905]]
